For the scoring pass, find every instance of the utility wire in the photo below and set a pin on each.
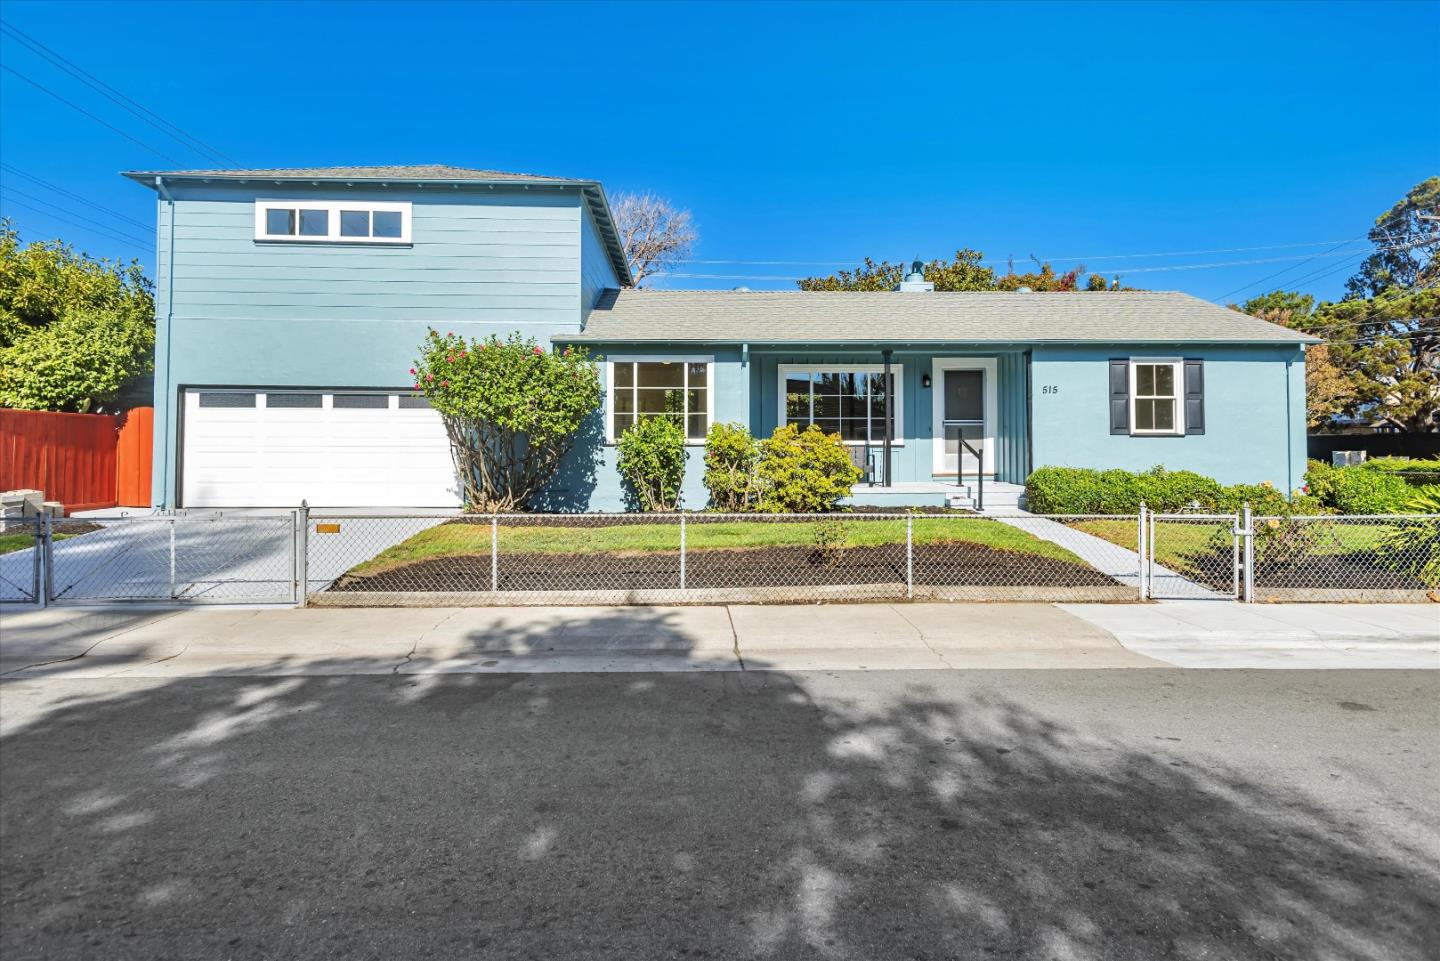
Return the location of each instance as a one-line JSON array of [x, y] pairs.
[[104, 231], [74, 196], [149, 116], [6, 188], [43, 89]]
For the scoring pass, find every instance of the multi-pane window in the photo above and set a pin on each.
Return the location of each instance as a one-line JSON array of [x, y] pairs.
[[661, 388], [332, 221], [1155, 398], [849, 401]]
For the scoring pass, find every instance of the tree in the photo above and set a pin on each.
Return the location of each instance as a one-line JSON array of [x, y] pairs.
[[655, 235], [512, 411], [966, 271], [1405, 243], [74, 330], [1389, 348]]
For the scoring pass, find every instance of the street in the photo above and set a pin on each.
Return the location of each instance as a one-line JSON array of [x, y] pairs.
[[1117, 814]]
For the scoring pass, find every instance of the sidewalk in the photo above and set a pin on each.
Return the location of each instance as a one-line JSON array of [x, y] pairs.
[[80, 642]]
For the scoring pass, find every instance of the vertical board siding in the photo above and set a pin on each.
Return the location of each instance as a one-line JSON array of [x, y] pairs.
[[133, 456], [71, 457]]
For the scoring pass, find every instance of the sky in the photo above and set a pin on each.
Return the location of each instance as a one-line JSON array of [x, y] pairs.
[[1219, 149]]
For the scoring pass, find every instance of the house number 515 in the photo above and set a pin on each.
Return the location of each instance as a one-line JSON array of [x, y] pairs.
[[1050, 389]]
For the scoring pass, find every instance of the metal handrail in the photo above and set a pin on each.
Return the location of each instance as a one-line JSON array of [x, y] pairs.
[[979, 471]]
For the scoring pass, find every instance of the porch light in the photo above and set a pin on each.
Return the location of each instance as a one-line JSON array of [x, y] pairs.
[[925, 381]]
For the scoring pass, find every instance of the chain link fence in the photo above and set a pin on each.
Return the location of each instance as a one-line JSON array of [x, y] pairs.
[[433, 559], [706, 558], [1374, 558]]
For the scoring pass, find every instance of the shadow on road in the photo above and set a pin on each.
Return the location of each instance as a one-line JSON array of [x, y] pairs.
[[640, 816]]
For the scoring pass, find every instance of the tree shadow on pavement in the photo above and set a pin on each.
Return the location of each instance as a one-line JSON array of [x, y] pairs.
[[716, 815]]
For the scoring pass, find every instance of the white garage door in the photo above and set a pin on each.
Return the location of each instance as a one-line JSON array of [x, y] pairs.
[[247, 448]]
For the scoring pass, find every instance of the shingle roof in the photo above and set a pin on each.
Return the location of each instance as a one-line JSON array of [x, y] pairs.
[[711, 316], [591, 190], [408, 172]]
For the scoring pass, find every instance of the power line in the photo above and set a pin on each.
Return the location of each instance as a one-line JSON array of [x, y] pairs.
[[8, 69], [75, 197], [41, 200], [115, 96], [105, 231]]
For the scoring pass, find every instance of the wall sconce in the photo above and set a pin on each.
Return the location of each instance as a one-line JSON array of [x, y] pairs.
[[925, 381]]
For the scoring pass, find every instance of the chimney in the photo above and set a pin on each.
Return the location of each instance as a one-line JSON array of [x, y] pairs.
[[915, 281]]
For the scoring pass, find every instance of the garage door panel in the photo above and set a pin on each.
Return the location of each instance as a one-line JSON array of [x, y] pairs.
[[275, 456]]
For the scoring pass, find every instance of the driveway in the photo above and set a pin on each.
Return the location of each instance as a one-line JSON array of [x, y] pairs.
[[237, 556], [1123, 815]]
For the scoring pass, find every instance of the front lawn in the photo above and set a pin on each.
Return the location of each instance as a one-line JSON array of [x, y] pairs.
[[546, 535], [10, 543]]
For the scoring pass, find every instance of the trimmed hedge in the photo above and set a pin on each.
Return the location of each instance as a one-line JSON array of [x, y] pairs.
[[1361, 488], [1079, 490]]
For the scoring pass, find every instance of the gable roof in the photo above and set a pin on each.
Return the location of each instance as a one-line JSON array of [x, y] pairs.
[[713, 316], [592, 190]]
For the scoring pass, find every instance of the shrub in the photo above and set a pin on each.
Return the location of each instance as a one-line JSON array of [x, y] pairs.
[[1413, 547], [804, 471], [830, 541], [1167, 490], [512, 411], [1361, 491], [1062, 490], [1415, 471], [1321, 480], [78, 363], [1077, 490], [731, 458], [652, 462]]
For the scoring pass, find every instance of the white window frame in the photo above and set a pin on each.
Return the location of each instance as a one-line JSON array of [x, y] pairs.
[[707, 359], [897, 371], [332, 209], [1178, 366]]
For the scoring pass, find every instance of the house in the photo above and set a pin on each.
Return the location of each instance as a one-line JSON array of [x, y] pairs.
[[291, 303]]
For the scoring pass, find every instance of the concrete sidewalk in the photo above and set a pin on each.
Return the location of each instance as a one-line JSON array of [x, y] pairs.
[[81, 642]]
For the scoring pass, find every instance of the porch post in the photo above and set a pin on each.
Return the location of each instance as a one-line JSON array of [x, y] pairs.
[[889, 414]]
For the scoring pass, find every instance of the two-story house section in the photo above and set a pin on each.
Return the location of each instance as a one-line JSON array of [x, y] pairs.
[[291, 302]]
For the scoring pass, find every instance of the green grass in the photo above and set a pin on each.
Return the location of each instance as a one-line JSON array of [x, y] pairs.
[[458, 540], [9, 543]]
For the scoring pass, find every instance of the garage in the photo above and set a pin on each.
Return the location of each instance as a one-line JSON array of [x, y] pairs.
[[274, 448]]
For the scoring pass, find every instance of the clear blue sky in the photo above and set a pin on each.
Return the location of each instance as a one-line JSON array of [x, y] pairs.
[[809, 132]]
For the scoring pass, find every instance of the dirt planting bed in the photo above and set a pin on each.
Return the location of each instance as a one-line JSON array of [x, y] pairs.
[[934, 565]]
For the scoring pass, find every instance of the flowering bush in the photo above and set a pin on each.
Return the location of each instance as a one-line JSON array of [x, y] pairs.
[[511, 408]]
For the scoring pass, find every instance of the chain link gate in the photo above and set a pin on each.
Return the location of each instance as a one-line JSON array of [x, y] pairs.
[[1195, 556]]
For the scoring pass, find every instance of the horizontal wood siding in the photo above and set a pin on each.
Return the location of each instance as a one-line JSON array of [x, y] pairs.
[[596, 272]]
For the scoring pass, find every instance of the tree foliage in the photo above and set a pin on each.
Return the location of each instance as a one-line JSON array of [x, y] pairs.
[[511, 409], [74, 329], [1405, 246], [1389, 348], [654, 233], [966, 271]]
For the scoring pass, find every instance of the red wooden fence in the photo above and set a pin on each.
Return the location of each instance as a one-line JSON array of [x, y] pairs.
[[75, 458]]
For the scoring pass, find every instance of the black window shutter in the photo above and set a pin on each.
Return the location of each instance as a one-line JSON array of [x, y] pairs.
[[1194, 396], [1119, 396]]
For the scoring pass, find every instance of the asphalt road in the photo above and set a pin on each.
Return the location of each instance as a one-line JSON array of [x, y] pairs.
[[1039, 814]]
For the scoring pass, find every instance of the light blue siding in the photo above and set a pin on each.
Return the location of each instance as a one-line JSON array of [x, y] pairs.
[[1254, 413], [238, 312]]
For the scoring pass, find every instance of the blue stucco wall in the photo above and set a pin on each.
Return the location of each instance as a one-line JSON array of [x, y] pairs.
[[236, 312], [1254, 413]]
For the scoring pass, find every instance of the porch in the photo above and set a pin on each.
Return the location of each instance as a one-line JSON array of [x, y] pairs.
[[991, 497]]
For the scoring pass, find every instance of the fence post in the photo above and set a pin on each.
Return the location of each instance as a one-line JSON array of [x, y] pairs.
[[39, 571], [909, 556], [682, 552], [1248, 534], [494, 553], [172, 558], [302, 555], [1144, 578]]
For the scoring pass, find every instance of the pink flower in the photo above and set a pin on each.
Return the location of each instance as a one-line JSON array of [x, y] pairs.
[[449, 358], [462, 355], [449, 333], [538, 351], [482, 346], [412, 370], [444, 383], [567, 352], [417, 386], [429, 376]]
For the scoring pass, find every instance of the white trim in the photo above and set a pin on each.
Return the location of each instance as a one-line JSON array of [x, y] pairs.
[[897, 371], [990, 365], [333, 209], [1178, 364], [707, 359]]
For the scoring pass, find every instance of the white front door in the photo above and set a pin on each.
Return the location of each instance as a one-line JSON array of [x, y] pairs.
[[274, 448], [964, 405]]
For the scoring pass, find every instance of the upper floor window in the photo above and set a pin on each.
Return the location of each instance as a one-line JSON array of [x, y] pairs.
[[332, 221]]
